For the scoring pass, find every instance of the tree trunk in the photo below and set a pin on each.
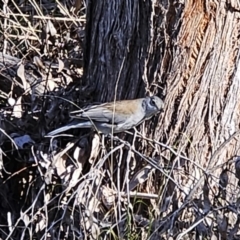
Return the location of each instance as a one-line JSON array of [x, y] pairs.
[[202, 89], [188, 52], [193, 57], [117, 42]]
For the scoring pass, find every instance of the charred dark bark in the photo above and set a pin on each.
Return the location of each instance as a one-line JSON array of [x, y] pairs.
[[123, 51]]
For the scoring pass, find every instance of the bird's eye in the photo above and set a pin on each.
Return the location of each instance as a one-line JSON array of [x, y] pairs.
[[152, 102]]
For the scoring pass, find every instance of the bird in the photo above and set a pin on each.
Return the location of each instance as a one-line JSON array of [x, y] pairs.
[[114, 117]]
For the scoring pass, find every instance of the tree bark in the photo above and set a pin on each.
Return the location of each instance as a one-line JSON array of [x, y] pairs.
[[202, 90], [117, 40]]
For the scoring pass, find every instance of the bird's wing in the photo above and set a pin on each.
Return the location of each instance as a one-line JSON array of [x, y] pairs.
[[104, 112], [91, 113]]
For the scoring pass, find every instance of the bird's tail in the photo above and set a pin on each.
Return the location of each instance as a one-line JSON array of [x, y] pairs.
[[72, 125]]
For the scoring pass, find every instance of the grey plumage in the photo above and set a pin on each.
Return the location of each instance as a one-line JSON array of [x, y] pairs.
[[114, 116]]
